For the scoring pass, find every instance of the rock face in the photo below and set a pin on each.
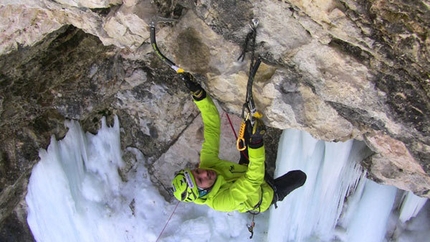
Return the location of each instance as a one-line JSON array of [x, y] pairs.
[[337, 69]]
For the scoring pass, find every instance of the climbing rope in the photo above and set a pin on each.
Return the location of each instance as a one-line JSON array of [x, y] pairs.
[[235, 135], [231, 125], [171, 215]]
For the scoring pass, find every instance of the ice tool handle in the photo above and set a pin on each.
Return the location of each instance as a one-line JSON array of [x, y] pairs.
[[158, 52], [249, 104], [249, 111]]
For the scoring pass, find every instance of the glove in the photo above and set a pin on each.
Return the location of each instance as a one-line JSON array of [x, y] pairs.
[[256, 134], [190, 82]]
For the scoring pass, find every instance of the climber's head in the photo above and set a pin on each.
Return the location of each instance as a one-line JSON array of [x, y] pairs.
[[184, 186], [188, 185]]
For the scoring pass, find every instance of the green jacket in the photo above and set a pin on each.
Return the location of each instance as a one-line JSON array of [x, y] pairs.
[[238, 187]]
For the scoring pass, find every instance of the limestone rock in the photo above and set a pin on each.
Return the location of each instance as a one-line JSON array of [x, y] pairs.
[[89, 4], [394, 165], [337, 69]]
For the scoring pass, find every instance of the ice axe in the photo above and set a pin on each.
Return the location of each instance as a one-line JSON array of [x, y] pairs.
[[166, 60]]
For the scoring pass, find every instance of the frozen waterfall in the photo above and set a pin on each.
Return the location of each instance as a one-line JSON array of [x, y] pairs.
[[337, 203], [76, 194]]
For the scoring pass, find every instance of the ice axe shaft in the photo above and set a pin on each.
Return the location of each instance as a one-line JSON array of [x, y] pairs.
[[166, 60]]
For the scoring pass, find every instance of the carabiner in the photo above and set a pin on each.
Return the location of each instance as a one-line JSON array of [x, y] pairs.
[[254, 23]]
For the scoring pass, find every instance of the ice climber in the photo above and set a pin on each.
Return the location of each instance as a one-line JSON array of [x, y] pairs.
[[224, 185]]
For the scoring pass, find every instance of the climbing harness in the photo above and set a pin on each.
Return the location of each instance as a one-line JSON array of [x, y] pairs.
[[249, 111], [158, 52]]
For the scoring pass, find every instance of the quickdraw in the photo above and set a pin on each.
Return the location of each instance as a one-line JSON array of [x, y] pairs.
[[240, 143], [249, 111], [251, 227]]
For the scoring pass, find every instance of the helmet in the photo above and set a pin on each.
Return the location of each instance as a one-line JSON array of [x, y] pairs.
[[184, 186]]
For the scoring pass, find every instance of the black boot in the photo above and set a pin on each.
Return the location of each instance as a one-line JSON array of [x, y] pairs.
[[288, 183]]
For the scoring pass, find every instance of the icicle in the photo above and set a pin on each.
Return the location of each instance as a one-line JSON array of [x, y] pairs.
[[411, 205]]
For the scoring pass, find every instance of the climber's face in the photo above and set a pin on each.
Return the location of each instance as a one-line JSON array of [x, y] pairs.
[[204, 178]]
